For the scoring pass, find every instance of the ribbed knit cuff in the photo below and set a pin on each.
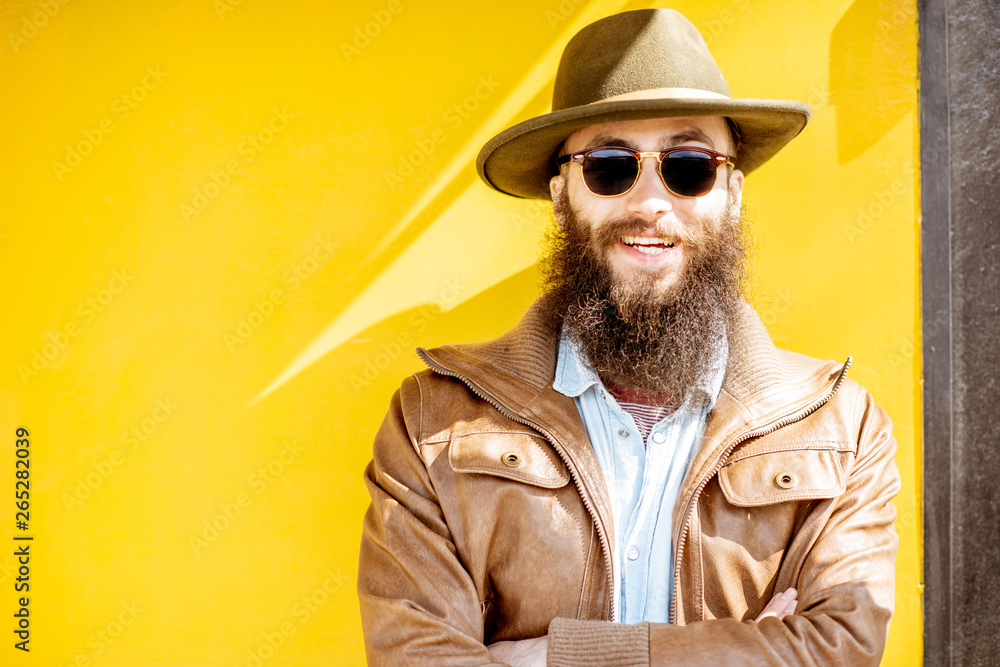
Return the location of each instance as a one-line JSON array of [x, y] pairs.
[[574, 643]]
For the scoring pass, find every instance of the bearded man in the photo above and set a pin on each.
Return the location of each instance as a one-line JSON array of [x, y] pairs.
[[634, 475]]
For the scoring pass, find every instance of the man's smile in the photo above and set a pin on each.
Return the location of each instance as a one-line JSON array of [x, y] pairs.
[[645, 253], [655, 245]]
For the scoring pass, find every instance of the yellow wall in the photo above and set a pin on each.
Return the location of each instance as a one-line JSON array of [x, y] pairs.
[[225, 224]]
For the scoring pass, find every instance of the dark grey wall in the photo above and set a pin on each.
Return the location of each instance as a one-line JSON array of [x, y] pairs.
[[960, 147]]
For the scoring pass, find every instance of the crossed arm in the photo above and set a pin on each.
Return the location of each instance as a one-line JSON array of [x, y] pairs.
[[532, 652]]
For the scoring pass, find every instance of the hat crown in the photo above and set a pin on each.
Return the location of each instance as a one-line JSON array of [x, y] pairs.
[[634, 51]]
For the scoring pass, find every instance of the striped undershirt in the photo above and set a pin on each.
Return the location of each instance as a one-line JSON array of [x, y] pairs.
[[646, 408]]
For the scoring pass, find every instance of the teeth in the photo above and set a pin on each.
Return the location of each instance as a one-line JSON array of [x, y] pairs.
[[647, 250], [645, 244]]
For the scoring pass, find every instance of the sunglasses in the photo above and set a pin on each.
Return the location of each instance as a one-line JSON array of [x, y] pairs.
[[686, 171]]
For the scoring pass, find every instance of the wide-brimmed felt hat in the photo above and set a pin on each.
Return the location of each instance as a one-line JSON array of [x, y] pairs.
[[647, 63]]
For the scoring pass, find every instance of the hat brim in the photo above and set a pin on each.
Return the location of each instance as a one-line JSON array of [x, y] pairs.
[[519, 160]]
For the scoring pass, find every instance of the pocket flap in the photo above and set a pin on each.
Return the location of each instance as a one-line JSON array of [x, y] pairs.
[[781, 476], [520, 456]]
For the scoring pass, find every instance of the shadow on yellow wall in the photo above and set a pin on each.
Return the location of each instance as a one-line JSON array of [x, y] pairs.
[[871, 81]]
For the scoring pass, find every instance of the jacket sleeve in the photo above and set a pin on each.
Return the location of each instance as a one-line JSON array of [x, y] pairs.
[[846, 592], [418, 604]]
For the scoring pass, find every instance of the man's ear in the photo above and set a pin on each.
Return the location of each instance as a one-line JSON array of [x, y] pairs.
[[556, 185], [736, 186]]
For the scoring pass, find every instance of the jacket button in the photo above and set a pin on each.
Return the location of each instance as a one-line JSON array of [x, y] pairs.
[[658, 438], [512, 459], [632, 553], [623, 433], [785, 480]]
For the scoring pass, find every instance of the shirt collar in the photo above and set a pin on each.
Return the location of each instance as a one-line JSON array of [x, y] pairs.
[[574, 374]]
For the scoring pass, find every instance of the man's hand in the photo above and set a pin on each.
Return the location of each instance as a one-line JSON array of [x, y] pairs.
[[781, 605], [524, 653]]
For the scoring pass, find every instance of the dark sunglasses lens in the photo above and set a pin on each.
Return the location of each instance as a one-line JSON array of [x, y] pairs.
[[610, 172], [689, 173]]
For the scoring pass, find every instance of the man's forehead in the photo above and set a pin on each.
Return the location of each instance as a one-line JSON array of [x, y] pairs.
[[652, 133]]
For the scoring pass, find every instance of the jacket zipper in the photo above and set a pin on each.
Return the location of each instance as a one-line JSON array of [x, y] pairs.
[[478, 391], [743, 437]]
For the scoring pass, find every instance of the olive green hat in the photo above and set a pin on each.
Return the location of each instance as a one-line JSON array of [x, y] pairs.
[[648, 63]]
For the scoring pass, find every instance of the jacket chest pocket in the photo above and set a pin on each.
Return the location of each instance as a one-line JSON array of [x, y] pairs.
[[767, 478], [518, 527], [519, 456]]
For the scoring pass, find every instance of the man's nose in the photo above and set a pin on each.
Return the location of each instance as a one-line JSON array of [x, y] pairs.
[[649, 198]]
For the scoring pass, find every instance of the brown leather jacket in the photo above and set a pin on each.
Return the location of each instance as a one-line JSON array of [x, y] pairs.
[[490, 519]]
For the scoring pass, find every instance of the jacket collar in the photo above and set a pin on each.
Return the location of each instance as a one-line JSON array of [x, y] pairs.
[[520, 365]]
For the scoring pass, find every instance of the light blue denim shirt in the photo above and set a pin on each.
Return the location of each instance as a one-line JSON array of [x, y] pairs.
[[643, 478]]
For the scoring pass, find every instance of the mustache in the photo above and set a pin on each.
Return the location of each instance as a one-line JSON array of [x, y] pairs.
[[609, 232]]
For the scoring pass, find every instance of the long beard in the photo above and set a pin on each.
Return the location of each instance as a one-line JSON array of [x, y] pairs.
[[636, 333]]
